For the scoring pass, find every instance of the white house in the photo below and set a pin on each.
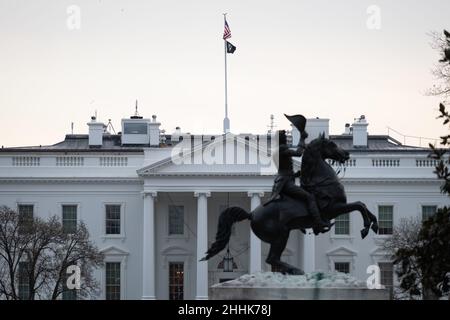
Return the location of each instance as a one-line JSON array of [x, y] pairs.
[[152, 201]]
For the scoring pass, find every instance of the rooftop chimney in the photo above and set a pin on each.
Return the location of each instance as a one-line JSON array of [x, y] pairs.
[[154, 132], [95, 132], [314, 127], [347, 130], [360, 132]]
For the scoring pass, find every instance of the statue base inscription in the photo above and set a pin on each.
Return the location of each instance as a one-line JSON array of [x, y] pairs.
[[311, 286]]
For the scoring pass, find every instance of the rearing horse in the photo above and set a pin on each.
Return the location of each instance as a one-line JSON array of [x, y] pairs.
[[273, 222]]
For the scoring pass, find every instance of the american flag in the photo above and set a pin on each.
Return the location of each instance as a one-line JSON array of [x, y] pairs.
[[226, 31]]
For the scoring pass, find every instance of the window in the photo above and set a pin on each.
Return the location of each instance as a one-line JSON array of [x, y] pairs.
[[112, 219], [428, 211], [386, 274], [343, 267], [112, 280], [24, 285], [67, 294], [342, 225], [26, 212], [385, 219], [69, 218], [176, 280], [135, 128], [176, 220]]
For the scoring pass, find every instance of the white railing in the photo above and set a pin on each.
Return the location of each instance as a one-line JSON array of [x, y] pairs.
[[113, 161], [26, 161], [385, 162], [426, 162], [69, 161], [348, 163]]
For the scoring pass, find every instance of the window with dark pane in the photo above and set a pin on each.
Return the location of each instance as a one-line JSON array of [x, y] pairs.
[[428, 211], [176, 281], [113, 218], [67, 294], [26, 212], [112, 280], [69, 218], [342, 225], [24, 284], [387, 275], [343, 267], [176, 220], [385, 219]]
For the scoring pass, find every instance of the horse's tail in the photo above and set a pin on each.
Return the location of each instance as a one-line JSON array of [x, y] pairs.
[[226, 220]]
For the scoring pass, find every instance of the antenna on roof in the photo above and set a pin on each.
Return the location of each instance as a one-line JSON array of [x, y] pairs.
[[110, 127], [136, 113], [71, 127], [272, 124]]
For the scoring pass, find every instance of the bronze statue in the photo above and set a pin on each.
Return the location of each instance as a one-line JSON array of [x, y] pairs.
[[284, 183], [286, 210]]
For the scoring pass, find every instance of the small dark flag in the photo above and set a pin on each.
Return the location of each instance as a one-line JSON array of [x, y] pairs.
[[230, 48]]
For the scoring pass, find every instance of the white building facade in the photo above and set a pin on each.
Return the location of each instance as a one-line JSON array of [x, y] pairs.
[[153, 209]]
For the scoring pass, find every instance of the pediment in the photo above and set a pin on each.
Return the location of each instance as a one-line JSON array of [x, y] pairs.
[[175, 250], [227, 155], [342, 251], [114, 250]]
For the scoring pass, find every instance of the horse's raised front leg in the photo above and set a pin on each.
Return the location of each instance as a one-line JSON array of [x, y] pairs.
[[341, 208], [274, 258]]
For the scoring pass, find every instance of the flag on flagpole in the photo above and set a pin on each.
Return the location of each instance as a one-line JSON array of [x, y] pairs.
[[226, 31], [230, 47]]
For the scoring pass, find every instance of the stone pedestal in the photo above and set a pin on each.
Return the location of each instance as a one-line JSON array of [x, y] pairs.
[[312, 286]]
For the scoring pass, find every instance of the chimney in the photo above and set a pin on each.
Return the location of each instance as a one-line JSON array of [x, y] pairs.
[[347, 129], [314, 127], [154, 132], [360, 132], [95, 132]]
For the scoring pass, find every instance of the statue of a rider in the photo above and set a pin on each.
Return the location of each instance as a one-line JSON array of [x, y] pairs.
[[284, 183]]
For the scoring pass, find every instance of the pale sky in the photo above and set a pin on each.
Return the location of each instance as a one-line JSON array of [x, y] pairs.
[[313, 57]]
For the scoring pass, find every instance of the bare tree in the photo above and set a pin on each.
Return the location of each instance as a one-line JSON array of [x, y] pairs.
[[36, 254], [401, 245]]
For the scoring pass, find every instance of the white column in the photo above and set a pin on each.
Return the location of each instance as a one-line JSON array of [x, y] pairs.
[[148, 254], [202, 244], [255, 243], [309, 251]]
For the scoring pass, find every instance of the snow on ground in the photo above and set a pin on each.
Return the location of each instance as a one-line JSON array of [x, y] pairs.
[[309, 280]]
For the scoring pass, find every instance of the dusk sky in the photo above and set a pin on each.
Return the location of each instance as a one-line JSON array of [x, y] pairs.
[[318, 58]]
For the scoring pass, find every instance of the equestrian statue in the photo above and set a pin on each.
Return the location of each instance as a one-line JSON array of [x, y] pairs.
[[319, 199]]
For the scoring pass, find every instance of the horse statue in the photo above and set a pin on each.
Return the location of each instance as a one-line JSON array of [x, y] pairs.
[[273, 222]]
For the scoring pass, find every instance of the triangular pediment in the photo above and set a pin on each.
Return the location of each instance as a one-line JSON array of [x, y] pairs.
[[227, 155], [114, 250], [341, 251]]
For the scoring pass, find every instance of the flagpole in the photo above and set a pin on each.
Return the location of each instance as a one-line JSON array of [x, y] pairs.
[[226, 121]]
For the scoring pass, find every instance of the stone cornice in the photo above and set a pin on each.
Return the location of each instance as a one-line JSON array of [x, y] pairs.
[[71, 180]]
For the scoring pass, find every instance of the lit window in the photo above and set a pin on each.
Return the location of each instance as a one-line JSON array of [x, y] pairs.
[[69, 218], [176, 280], [176, 220], [342, 225], [112, 219], [385, 219], [112, 280]]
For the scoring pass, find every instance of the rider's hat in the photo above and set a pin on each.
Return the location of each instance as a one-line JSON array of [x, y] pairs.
[[298, 121]]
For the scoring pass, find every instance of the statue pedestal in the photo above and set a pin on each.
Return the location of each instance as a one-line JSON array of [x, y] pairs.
[[312, 286]]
